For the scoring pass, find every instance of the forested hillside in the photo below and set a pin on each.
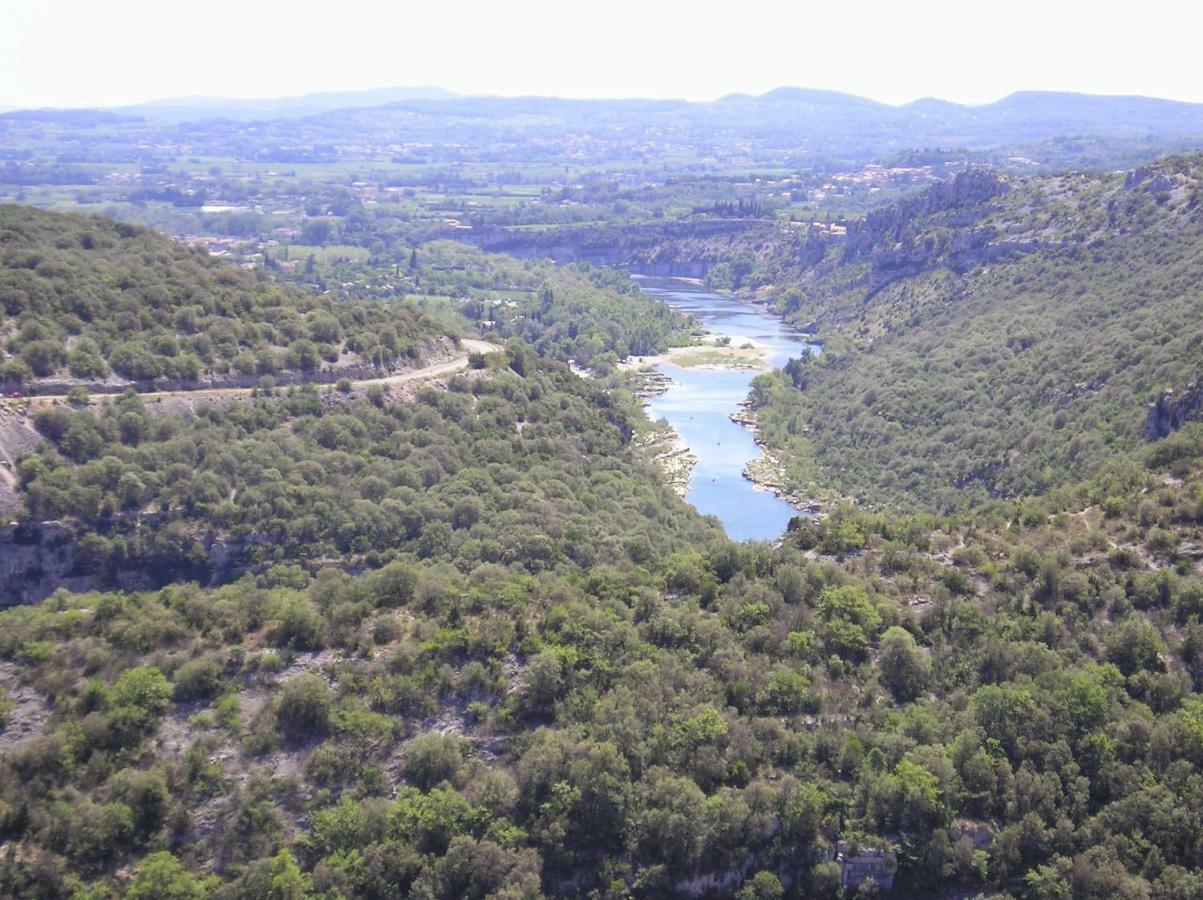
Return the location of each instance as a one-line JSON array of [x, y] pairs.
[[460, 639], [992, 338], [591, 316], [518, 462], [93, 300], [1000, 704]]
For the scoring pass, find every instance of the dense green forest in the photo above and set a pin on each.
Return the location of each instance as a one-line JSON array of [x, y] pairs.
[[88, 297], [1028, 675], [460, 639], [589, 315], [517, 462], [992, 342]]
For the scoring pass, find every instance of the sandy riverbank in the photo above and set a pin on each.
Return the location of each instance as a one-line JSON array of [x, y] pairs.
[[710, 353]]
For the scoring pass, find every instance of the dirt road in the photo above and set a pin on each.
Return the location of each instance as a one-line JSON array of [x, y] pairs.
[[436, 370]]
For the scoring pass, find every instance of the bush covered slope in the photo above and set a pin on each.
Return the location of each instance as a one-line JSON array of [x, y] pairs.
[[575, 312], [992, 338], [589, 315], [479, 648], [1007, 704], [86, 297], [519, 462]]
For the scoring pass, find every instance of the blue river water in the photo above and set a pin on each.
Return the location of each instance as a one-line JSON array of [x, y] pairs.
[[700, 401]]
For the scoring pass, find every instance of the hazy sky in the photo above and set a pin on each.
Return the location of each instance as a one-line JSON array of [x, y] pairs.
[[109, 52]]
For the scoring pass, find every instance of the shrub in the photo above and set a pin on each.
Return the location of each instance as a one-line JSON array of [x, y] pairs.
[[433, 758], [306, 708], [300, 625], [197, 679], [904, 666], [161, 877], [145, 688]]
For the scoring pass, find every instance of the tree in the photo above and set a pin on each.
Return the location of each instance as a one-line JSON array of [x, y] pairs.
[[542, 681], [161, 877], [300, 625], [43, 357], [762, 886], [905, 668], [197, 679], [826, 879], [145, 688], [317, 231], [286, 880], [787, 692], [146, 795], [668, 829], [1050, 882], [1135, 646], [917, 799], [1005, 712]]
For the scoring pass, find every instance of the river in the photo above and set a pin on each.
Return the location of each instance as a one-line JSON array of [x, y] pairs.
[[700, 401]]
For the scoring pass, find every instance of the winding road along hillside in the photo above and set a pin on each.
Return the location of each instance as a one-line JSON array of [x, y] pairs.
[[18, 436], [467, 345]]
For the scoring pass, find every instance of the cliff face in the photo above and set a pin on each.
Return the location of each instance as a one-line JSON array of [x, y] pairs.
[[901, 242], [959, 202], [943, 226], [38, 558], [1171, 411], [1148, 178], [672, 249], [35, 560]]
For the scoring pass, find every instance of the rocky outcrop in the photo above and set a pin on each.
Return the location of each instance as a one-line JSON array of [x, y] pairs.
[[1171, 411], [1148, 179], [38, 558], [35, 560], [17, 439], [767, 471], [931, 229], [962, 196], [961, 252]]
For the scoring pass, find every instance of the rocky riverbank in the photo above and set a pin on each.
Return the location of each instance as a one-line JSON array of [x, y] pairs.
[[661, 443], [651, 383], [768, 472], [668, 450]]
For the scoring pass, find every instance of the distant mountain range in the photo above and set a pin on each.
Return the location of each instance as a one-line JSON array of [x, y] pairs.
[[790, 126], [1065, 107], [197, 107], [786, 112]]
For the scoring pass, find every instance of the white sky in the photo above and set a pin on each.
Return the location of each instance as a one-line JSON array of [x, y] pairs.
[[110, 52]]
